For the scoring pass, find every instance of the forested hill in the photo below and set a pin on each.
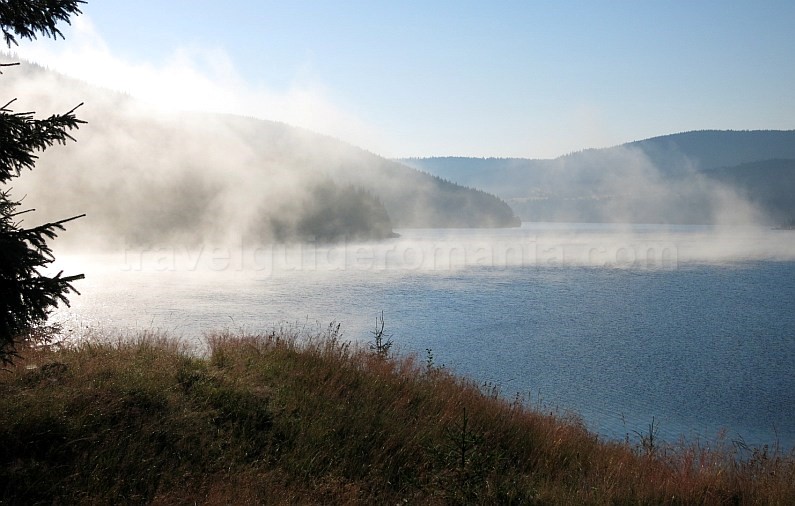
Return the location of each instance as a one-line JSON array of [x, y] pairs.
[[768, 184], [691, 177], [711, 149], [145, 176]]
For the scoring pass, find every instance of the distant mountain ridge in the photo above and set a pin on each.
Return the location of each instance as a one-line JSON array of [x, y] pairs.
[[677, 178]]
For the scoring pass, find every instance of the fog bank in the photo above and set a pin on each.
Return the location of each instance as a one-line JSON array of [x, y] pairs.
[[148, 177]]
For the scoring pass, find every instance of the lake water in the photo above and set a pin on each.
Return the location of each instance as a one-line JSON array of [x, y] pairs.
[[689, 326]]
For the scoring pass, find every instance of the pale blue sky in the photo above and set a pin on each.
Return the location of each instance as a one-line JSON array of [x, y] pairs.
[[531, 79]]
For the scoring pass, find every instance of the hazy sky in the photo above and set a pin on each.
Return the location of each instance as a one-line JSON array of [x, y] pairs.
[[527, 78]]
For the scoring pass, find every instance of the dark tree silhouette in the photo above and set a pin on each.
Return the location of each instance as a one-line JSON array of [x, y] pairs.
[[26, 294], [330, 213]]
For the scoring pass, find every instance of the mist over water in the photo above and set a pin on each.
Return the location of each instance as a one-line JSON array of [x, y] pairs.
[[616, 323], [439, 250]]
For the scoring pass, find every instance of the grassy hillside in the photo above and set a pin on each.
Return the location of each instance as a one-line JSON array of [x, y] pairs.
[[278, 419]]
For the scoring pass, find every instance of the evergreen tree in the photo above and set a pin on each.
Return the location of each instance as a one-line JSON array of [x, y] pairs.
[[26, 294]]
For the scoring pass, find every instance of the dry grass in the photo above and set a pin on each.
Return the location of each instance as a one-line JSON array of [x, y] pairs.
[[288, 419]]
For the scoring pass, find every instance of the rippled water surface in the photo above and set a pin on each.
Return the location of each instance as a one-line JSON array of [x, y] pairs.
[[618, 324]]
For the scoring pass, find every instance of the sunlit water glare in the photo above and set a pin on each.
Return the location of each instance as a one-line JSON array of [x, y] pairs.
[[688, 326]]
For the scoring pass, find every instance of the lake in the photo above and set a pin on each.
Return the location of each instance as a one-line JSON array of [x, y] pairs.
[[689, 326]]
